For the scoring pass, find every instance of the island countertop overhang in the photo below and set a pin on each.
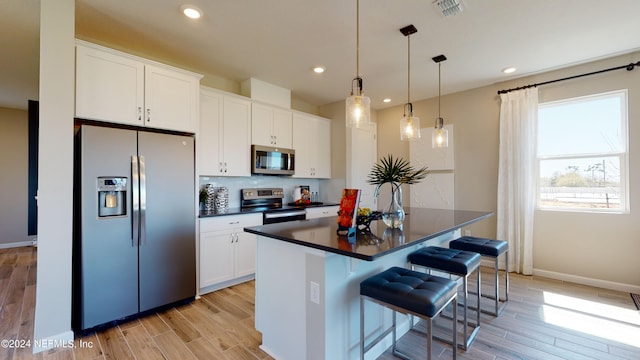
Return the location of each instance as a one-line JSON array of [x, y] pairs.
[[420, 225]]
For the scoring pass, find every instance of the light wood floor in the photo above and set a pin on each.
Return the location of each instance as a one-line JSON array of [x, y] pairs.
[[545, 319]]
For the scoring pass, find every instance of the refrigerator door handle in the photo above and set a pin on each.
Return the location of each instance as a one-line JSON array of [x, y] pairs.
[[143, 202], [135, 202]]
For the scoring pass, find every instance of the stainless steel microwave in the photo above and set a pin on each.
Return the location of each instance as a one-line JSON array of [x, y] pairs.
[[272, 161]]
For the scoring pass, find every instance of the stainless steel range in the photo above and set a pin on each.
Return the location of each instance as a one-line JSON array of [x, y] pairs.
[[269, 201]]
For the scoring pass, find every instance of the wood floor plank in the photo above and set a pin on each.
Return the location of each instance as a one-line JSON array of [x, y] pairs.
[[173, 348], [154, 324], [87, 347], [227, 306], [113, 344], [239, 352], [218, 337], [141, 343], [179, 325], [204, 350]]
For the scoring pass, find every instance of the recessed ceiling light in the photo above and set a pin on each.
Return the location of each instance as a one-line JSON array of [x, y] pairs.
[[319, 69], [508, 70], [387, 100], [190, 11]]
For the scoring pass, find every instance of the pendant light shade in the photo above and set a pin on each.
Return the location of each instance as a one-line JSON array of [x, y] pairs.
[[358, 113], [440, 135], [358, 107], [409, 124]]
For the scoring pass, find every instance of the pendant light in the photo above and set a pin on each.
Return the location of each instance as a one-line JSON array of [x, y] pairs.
[[409, 124], [358, 106], [440, 135]]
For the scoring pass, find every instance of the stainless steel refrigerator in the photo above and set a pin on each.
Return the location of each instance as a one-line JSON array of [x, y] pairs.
[[134, 246]]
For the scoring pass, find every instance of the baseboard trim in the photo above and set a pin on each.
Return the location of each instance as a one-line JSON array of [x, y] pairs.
[[18, 244], [62, 340], [605, 284]]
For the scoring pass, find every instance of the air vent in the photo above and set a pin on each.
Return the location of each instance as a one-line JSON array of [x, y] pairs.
[[449, 7]]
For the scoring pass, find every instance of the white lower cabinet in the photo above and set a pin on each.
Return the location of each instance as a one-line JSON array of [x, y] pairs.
[[322, 211], [227, 253]]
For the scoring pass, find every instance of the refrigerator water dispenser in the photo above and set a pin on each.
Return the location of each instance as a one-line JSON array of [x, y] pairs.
[[112, 196]]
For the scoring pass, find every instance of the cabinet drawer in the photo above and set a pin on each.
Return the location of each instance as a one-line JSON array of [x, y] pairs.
[[230, 222], [322, 211]]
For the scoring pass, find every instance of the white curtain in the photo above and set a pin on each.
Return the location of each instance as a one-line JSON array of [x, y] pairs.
[[517, 176]]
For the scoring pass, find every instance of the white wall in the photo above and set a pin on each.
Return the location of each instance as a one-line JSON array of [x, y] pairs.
[[55, 173], [13, 177], [597, 249]]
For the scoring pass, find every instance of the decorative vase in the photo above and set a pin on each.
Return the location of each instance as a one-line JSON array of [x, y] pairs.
[[221, 202], [210, 194], [393, 215]]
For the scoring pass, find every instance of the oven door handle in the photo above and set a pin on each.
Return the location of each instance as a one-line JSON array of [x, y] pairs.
[[281, 214]]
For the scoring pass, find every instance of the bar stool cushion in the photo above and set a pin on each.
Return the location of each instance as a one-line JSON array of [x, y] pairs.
[[417, 292], [450, 260], [482, 246]]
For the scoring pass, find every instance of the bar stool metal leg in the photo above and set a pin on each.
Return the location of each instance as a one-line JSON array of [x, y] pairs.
[[489, 248]]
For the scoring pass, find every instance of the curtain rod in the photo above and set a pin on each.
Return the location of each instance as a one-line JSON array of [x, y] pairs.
[[628, 67]]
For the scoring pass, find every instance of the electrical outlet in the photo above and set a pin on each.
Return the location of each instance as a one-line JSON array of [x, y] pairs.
[[314, 292], [467, 233]]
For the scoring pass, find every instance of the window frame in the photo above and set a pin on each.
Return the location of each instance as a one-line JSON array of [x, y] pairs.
[[622, 155]]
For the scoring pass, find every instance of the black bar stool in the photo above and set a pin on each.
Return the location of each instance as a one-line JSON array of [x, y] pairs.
[[455, 262], [409, 292], [493, 249]]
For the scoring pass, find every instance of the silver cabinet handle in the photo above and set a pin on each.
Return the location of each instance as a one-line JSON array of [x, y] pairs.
[[148, 114], [139, 113]]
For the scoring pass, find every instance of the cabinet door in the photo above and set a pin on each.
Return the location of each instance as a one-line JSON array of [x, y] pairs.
[[322, 148], [216, 257], [109, 87], [170, 99], [245, 253], [261, 125], [283, 128], [322, 211], [209, 148], [302, 144], [312, 142], [236, 137]]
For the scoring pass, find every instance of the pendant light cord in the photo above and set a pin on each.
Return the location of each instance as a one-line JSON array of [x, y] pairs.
[[439, 87], [409, 69], [358, 42]]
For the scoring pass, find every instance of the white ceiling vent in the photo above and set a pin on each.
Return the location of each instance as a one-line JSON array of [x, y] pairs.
[[449, 7]]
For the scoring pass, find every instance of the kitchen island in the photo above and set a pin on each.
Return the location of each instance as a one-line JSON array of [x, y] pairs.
[[307, 280]]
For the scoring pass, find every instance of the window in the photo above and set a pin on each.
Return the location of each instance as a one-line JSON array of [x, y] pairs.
[[582, 153]]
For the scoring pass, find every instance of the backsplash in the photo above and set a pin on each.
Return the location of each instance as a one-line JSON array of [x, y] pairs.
[[326, 189]]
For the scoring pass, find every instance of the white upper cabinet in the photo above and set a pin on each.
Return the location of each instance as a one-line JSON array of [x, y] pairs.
[[116, 87], [224, 137], [271, 126], [312, 143]]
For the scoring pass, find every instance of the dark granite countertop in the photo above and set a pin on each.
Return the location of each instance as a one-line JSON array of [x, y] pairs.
[[419, 225], [237, 210]]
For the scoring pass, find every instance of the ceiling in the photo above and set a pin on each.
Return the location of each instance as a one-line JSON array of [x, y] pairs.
[[281, 41]]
